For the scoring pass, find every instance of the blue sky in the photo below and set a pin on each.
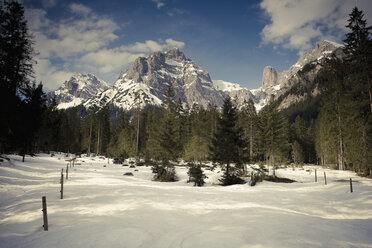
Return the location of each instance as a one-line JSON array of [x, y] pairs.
[[233, 40]]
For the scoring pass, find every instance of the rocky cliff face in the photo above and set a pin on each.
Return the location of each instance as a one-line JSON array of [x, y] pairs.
[[274, 83], [147, 80], [269, 77]]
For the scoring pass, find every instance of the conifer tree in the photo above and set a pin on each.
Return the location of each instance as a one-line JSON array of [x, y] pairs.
[[227, 143], [357, 94], [196, 175], [197, 149], [16, 63], [274, 135], [169, 149], [33, 107], [248, 121]]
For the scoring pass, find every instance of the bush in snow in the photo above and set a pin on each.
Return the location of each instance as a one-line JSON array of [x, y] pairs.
[[164, 172], [196, 175]]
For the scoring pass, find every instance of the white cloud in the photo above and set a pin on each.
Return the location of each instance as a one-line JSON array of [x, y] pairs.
[[173, 43], [80, 9], [51, 76], [82, 43], [298, 24], [159, 3], [152, 46]]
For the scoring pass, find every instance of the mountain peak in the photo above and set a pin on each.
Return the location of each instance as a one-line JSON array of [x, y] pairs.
[[150, 76], [176, 54], [79, 88]]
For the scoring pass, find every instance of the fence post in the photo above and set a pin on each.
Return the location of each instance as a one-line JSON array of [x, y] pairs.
[[73, 163], [351, 185], [62, 184], [45, 214], [325, 178], [316, 178], [66, 172]]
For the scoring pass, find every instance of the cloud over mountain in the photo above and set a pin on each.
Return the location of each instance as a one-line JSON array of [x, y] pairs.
[[297, 24], [83, 42]]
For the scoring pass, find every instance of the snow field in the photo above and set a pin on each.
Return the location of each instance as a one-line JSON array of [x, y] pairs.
[[103, 208]]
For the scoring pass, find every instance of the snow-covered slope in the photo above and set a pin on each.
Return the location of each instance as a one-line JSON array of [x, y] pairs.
[[104, 208], [77, 90], [235, 91], [275, 83]]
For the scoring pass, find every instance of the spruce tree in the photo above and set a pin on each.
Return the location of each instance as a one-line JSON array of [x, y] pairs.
[[197, 149], [16, 63], [248, 121], [358, 94], [169, 148], [33, 107], [274, 135], [228, 143], [196, 175]]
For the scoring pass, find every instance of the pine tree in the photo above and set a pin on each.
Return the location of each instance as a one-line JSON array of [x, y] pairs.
[[274, 135], [297, 153], [197, 149], [103, 130], [169, 148], [47, 136], [33, 107], [16, 62], [196, 175], [248, 121], [358, 94], [227, 143]]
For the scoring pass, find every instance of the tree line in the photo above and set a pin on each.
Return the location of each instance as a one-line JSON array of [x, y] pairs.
[[336, 129]]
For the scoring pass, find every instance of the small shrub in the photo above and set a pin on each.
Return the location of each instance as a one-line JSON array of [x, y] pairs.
[[164, 173], [140, 163], [196, 175], [230, 178], [128, 174], [117, 161], [255, 177]]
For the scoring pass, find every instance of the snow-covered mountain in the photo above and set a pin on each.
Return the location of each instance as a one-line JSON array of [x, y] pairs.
[[275, 83], [235, 91], [145, 82], [77, 90]]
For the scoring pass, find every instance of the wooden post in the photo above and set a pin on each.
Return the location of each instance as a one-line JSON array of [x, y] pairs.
[[45, 214], [351, 185], [62, 184], [316, 178], [66, 172], [325, 178], [70, 163], [73, 163]]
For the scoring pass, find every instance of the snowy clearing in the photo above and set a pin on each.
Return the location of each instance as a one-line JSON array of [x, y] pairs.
[[104, 208]]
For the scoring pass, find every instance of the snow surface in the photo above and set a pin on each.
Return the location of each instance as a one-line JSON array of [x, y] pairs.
[[334, 43], [103, 208], [226, 86], [74, 102]]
